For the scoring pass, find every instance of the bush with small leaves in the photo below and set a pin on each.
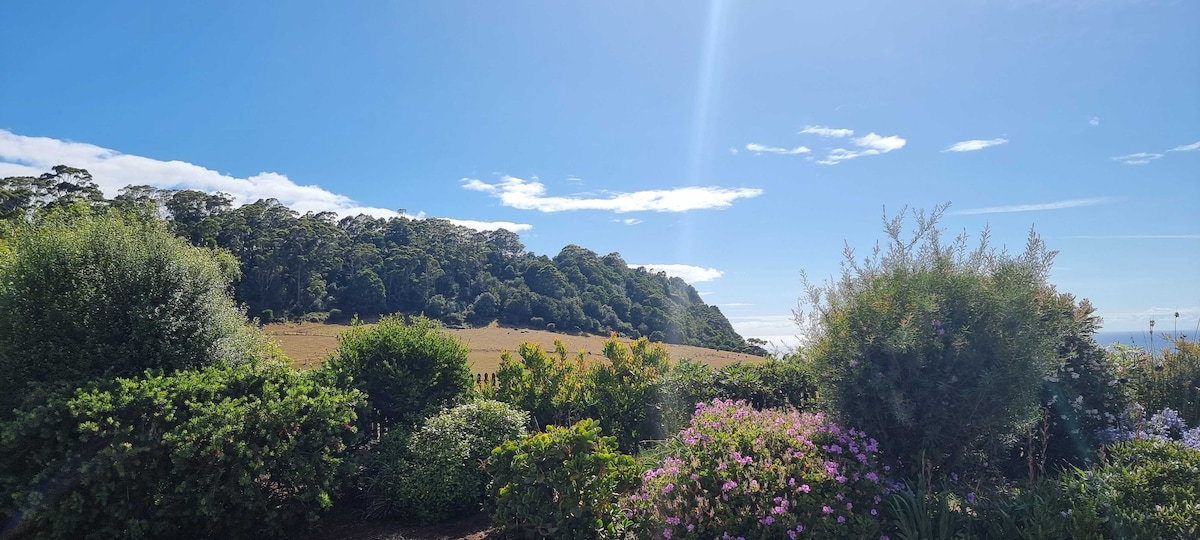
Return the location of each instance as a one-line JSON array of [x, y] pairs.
[[408, 370], [90, 297], [1146, 488], [246, 451], [566, 483], [937, 350], [438, 475]]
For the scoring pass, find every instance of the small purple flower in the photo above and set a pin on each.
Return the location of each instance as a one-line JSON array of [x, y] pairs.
[[826, 509], [971, 498], [841, 519], [767, 520]]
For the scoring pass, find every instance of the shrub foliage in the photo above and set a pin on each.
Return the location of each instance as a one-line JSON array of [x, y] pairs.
[[223, 452], [934, 348], [436, 474], [565, 482], [408, 370], [104, 296]]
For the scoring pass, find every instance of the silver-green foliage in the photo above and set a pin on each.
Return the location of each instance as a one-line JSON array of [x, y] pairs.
[[934, 348], [436, 473], [90, 297]]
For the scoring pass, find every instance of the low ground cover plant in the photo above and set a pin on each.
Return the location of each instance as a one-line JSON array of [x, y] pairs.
[[737, 472]]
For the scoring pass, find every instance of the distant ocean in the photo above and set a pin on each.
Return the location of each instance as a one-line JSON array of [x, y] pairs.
[[1140, 338], [1135, 338]]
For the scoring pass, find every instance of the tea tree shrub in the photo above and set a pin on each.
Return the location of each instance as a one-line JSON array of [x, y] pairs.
[[934, 349]]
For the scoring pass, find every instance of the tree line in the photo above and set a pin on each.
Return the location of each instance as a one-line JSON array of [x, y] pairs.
[[322, 266]]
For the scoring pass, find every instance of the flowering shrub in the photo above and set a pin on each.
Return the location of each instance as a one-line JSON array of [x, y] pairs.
[[1165, 425], [742, 473], [1084, 396], [1165, 379]]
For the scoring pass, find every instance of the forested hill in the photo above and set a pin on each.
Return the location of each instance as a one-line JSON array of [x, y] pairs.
[[295, 265]]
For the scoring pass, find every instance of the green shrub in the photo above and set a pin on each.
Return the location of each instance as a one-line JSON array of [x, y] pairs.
[[936, 350], [1083, 398], [1144, 489], [103, 296], [223, 452], [624, 391], [739, 472], [787, 382], [550, 387], [407, 370], [436, 474], [563, 483], [1167, 379]]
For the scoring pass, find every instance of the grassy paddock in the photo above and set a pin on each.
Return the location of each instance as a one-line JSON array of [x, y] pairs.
[[309, 344]]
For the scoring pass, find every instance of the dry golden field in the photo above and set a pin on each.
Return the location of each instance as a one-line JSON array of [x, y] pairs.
[[309, 344]]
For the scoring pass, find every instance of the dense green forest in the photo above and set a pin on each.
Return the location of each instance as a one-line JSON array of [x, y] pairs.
[[317, 265]]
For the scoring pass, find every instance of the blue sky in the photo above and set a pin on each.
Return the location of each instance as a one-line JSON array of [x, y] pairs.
[[743, 141]]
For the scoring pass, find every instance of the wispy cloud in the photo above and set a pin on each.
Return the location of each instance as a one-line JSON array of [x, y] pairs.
[[827, 131], [1186, 147], [974, 144], [628, 221], [30, 156], [575, 179], [870, 144], [733, 150], [531, 195], [1139, 237], [686, 272], [736, 304], [1094, 121], [1058, 205], [760, 149], [1140, 158]]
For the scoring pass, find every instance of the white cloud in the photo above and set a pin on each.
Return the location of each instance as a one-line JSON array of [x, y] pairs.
[[628, 221], [1186, 147], [1140, 158], [686, 272], [827, 131], [733, 151], [1164, 318], [575, 179], [760, 149], [1094, 121], [871, 144], [489, 225], [973, 145], [531, 195], [112, 170], [1059, 205]]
